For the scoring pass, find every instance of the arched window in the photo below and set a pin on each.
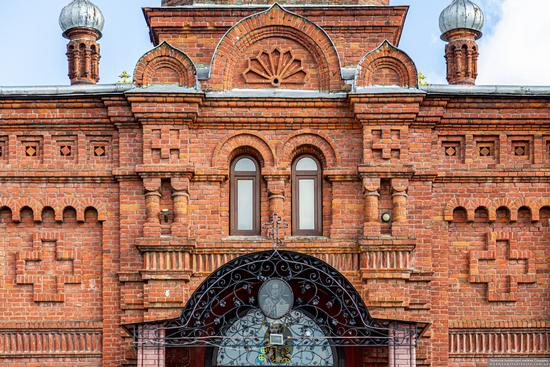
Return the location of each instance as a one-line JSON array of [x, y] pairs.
[[306, 197], [245, 197]]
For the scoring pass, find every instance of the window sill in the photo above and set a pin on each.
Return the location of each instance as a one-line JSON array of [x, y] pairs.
[[307, 239], [246, 238]]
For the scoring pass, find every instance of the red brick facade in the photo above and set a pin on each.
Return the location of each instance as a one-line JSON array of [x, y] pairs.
[[115, 200]]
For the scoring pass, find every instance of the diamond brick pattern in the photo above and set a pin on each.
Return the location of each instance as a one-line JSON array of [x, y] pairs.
[[450, 152], [485, 151], [65, 150], [31, 150], [100, 151]]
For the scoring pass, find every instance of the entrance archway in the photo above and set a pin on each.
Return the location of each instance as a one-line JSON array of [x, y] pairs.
[[275, 308]]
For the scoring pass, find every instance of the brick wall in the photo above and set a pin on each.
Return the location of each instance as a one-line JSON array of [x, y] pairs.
[[465, 179]]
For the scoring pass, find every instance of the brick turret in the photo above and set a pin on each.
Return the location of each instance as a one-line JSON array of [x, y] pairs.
[[461, 24], [82, 23]]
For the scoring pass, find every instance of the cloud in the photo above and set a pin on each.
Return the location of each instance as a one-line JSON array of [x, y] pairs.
[[516, 49]]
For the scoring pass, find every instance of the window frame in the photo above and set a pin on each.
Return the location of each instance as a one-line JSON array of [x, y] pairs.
[[235, 176], [317, 177]]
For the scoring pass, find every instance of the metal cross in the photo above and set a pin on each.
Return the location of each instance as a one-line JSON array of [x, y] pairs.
[[273, 228], [124, 78]]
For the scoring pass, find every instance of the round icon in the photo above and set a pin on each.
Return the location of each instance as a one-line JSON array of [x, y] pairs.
[[275, 298]]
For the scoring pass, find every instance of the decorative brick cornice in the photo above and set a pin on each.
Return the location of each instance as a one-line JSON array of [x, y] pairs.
[[490, 324], [386, 107], [53, 343], [492, 205], [469, 343]]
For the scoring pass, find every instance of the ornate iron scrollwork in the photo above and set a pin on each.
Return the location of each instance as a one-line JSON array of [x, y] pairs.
[[229, 296]]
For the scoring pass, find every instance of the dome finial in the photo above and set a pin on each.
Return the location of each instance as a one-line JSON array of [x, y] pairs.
[[81, 14], [461, 14]]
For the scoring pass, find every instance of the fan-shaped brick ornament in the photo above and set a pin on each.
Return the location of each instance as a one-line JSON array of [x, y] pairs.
[[275, 67]]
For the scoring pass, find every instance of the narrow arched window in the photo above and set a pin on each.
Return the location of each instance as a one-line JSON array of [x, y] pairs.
[[245, 197], [306, 197]]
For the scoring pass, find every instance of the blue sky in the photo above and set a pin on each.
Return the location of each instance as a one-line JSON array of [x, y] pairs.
[[33, 50]]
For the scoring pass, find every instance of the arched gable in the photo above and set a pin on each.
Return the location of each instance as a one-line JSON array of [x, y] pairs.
[[165, 64], [386, 65], [276, 48]]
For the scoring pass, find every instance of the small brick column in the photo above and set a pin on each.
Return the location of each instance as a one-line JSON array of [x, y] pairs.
[[371, 225], [402, 348], [150, 347], [152, 207], [399, 203], [180, 227]]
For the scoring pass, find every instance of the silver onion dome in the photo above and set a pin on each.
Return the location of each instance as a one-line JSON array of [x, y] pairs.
[[461, 14], [81, 14]]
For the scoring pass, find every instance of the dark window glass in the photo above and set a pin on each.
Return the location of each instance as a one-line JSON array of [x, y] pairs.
[[245, 197], [306, 197]]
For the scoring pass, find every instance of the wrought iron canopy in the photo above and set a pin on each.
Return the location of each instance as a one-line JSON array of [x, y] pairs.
[[319, 291]]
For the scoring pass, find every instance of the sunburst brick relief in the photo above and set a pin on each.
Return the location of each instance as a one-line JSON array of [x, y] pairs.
[[276, 68]]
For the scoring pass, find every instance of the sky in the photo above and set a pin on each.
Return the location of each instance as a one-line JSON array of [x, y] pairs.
[[514, 48]]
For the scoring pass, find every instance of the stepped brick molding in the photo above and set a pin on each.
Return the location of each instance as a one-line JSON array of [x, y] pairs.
[[501, 263], [49, 281]]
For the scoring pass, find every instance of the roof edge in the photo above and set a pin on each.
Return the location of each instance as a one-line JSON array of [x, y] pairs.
[[431, 89]]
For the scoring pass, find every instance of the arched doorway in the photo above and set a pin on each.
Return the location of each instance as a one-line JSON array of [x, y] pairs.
[[275, 308]]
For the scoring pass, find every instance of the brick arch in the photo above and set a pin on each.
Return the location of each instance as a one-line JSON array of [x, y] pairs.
[[539, 205], [275, 22], [100, 207], [11, 205], [386, 65], [58, 214], [223, 154], [519, 203], [64, 204], [165, 64], [35, 205], [503, 203], [459, 203], [323, 144], [487, 204], [532, 205]]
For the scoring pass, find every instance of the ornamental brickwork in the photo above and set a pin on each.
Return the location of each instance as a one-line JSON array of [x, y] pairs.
[[116, 199]]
